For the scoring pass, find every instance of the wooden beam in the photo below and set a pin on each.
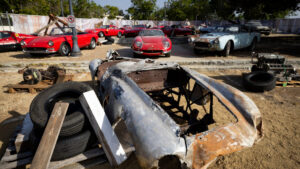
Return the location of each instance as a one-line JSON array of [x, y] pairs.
[[22, 139], [102, 127], [62, 21], [47, 144]]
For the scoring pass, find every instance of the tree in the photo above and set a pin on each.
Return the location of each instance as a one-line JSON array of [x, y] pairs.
[[142, 9], [189, 9], [82, 8], [254, 9]]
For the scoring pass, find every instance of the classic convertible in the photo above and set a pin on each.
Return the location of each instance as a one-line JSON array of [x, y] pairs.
[[175, 30], [60, 41], [107, 30], [151, 42], [225, 39], [134, 31]]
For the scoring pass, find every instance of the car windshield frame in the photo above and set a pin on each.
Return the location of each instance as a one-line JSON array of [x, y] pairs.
[[151, 32], [62, 31], [139, 26], [104, 27]]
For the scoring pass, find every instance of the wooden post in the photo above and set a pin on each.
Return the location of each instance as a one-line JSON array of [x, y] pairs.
[[46, 147], [103, 129]]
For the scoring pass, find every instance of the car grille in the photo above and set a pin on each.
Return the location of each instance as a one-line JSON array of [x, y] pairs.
[[35, 49], [152, 51], [202, 44]]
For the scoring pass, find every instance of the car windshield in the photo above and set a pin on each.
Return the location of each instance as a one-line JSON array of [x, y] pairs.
[[152, 32], [4, 35], [139, 26], [62, 31], [104, 26], [254, 23]]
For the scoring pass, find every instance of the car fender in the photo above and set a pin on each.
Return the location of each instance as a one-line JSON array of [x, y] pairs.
[[224, 39]]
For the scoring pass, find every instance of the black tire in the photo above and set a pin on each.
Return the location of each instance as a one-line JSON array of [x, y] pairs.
[[196, 51], [259, 81], [64, 49], [42, 105], [65, 147], [227, 49], [253, 44], [92, 44], [119, 35], [101, 34], [168, 55]]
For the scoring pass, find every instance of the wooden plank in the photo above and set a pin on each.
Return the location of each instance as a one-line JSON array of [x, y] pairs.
[[96, 152], [80, 157], [27, 86], [22, 139], [102, 127], [45, 149]]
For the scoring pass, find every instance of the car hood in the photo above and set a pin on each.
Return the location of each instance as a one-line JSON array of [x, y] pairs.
[[214, 35], [152, 39], [44, 39]]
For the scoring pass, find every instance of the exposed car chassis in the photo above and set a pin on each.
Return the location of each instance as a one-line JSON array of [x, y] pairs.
[[132, 91]]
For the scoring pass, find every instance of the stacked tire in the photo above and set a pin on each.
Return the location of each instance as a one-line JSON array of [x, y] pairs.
[[76, 133]]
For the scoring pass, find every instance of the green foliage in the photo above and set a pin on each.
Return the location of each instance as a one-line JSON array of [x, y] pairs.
[[81, 8], [112, 11], [254, 9], [142, 9]]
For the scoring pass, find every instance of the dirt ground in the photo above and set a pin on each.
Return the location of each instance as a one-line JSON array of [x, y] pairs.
[[286, 45], [280, 107]]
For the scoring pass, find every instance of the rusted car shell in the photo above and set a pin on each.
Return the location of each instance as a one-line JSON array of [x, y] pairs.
[[155, 135]]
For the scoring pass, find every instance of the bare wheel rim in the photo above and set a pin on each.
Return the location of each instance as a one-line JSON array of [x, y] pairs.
[[119, 34], [228, 48], [101, 34], [93, 43], [65, 49]]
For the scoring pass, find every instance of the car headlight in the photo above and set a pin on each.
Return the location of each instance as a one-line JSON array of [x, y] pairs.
[[50, 43], [166, 44], [22, 43], [138, 44], [216, 41], [191, 40]]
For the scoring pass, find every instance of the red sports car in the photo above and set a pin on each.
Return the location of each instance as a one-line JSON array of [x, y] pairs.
[[151, 42], [60, 41], [177, 30], [107, 30], [11, 40], [134, 31]]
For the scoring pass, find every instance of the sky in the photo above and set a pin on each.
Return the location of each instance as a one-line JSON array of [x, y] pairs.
[[124, 4]]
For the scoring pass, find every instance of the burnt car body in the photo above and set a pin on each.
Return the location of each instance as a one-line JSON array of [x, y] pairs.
[[160, 103]]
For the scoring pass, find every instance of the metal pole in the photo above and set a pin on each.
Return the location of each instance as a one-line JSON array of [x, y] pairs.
[[8, 20], [62, 8], [1, 22], [75, 49]]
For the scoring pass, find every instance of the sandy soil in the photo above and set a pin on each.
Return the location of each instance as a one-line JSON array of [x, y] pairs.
[[280, 107]]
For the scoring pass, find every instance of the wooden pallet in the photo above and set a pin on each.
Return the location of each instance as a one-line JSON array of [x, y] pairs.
[[18, 152], [13, 88], [62, 77], [292, 83]]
